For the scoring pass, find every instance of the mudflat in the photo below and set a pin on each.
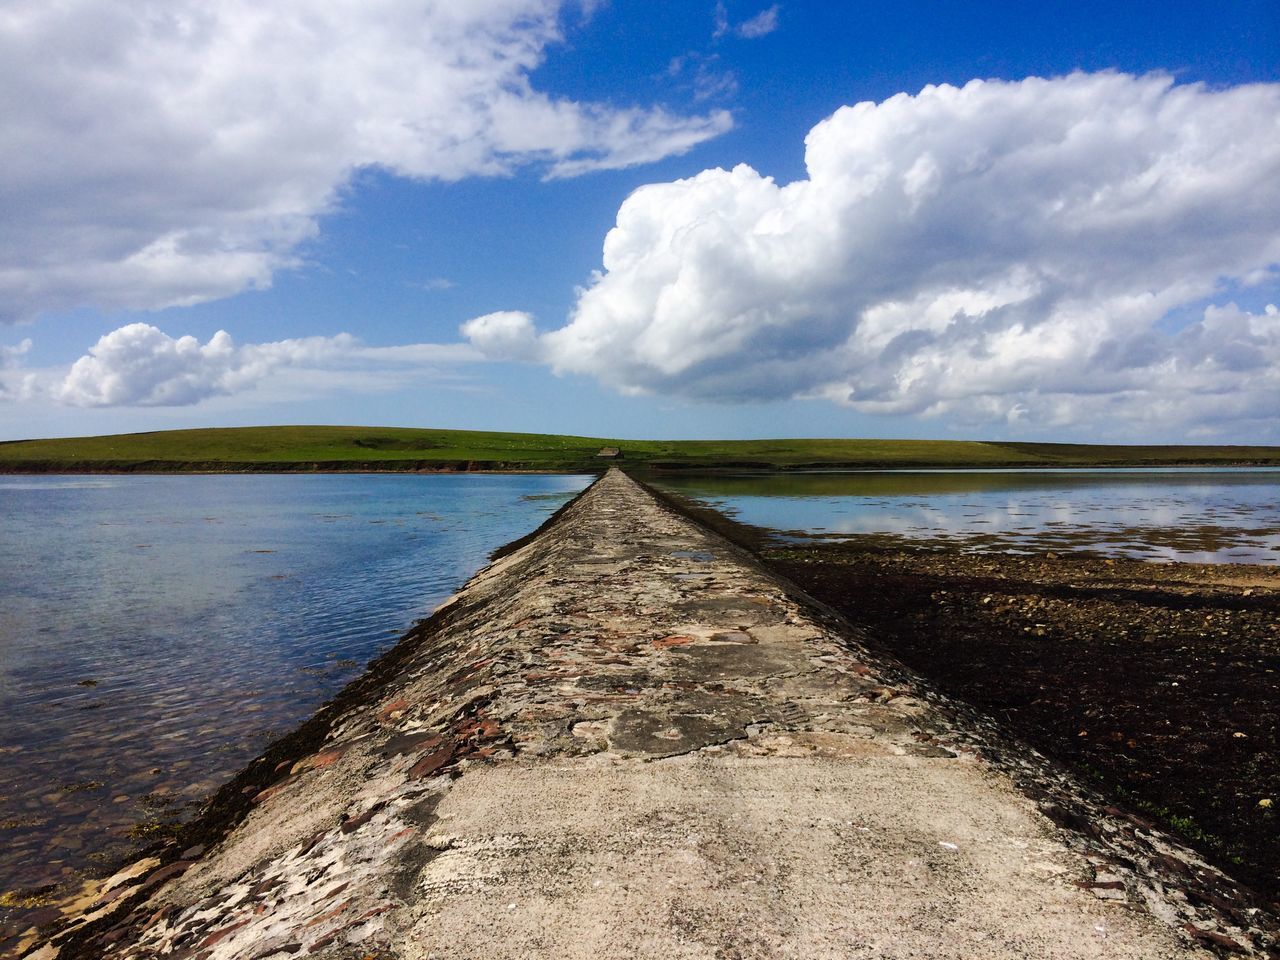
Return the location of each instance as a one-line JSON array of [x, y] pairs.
[[625, 738]]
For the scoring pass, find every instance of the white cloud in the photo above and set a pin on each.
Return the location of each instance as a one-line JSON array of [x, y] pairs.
[[1002, 252], [163, 152], [764, 22], [720, 18], [10, 357], [704, 75], [758, 25], [139, 365], [505, 335], [627, 138], [435, 284]]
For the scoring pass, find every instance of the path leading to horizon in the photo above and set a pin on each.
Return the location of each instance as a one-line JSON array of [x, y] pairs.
[[627, 739]]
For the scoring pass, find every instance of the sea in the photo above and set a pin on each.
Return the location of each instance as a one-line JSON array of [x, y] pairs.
[[1188, 515]]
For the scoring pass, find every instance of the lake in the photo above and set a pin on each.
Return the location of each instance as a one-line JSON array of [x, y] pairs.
[[156, 632], [1199, 515]]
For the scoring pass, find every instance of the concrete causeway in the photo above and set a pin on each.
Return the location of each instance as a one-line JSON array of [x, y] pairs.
[[627, 739]]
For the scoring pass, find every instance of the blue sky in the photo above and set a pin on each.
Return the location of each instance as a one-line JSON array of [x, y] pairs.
[[368, 212]]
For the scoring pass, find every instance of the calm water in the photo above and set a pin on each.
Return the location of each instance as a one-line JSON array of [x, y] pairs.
[[156, 632], [1198, 515]]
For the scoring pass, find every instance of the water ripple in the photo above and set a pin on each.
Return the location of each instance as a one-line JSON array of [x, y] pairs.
[[155, 632]]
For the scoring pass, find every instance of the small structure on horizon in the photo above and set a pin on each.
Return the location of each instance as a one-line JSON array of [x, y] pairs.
[[610, 453]]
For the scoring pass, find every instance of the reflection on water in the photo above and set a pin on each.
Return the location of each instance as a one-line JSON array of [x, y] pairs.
[[1197, 515], [156, 632]]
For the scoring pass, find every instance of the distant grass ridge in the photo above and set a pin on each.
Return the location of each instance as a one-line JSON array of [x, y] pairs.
[[399, 449]]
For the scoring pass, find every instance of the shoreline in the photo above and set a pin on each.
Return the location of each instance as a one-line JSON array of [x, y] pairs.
[[641, 469], [318, 447], [277, 470]]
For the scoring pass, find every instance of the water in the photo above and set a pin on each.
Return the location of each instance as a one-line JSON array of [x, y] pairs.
[[1194, 515], [157, 632]]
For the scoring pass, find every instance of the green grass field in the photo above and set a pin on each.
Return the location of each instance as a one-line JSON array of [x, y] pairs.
[[394, 448]]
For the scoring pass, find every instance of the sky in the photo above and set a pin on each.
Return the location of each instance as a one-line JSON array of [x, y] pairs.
[[668, 218]]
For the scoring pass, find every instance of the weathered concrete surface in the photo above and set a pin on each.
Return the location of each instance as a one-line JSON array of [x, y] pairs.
[[626, 739]]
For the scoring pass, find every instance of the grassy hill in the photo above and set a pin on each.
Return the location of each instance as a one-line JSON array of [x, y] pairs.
[[321, 448]]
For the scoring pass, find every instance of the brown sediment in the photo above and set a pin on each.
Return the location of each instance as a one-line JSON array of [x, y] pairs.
[[627, 738], [1159, 682]]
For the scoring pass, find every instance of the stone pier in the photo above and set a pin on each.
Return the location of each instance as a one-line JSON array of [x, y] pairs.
[[627, 739]]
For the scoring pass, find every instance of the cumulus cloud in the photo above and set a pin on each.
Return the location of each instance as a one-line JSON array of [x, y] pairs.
[[165, 152], [1006, 251], [505, 335], [139, 365]]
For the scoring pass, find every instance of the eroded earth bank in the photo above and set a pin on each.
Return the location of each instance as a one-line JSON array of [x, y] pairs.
[[626, 738]]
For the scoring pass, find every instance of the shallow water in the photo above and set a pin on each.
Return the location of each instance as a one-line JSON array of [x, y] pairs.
[[1195, 515], [157, 632]]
